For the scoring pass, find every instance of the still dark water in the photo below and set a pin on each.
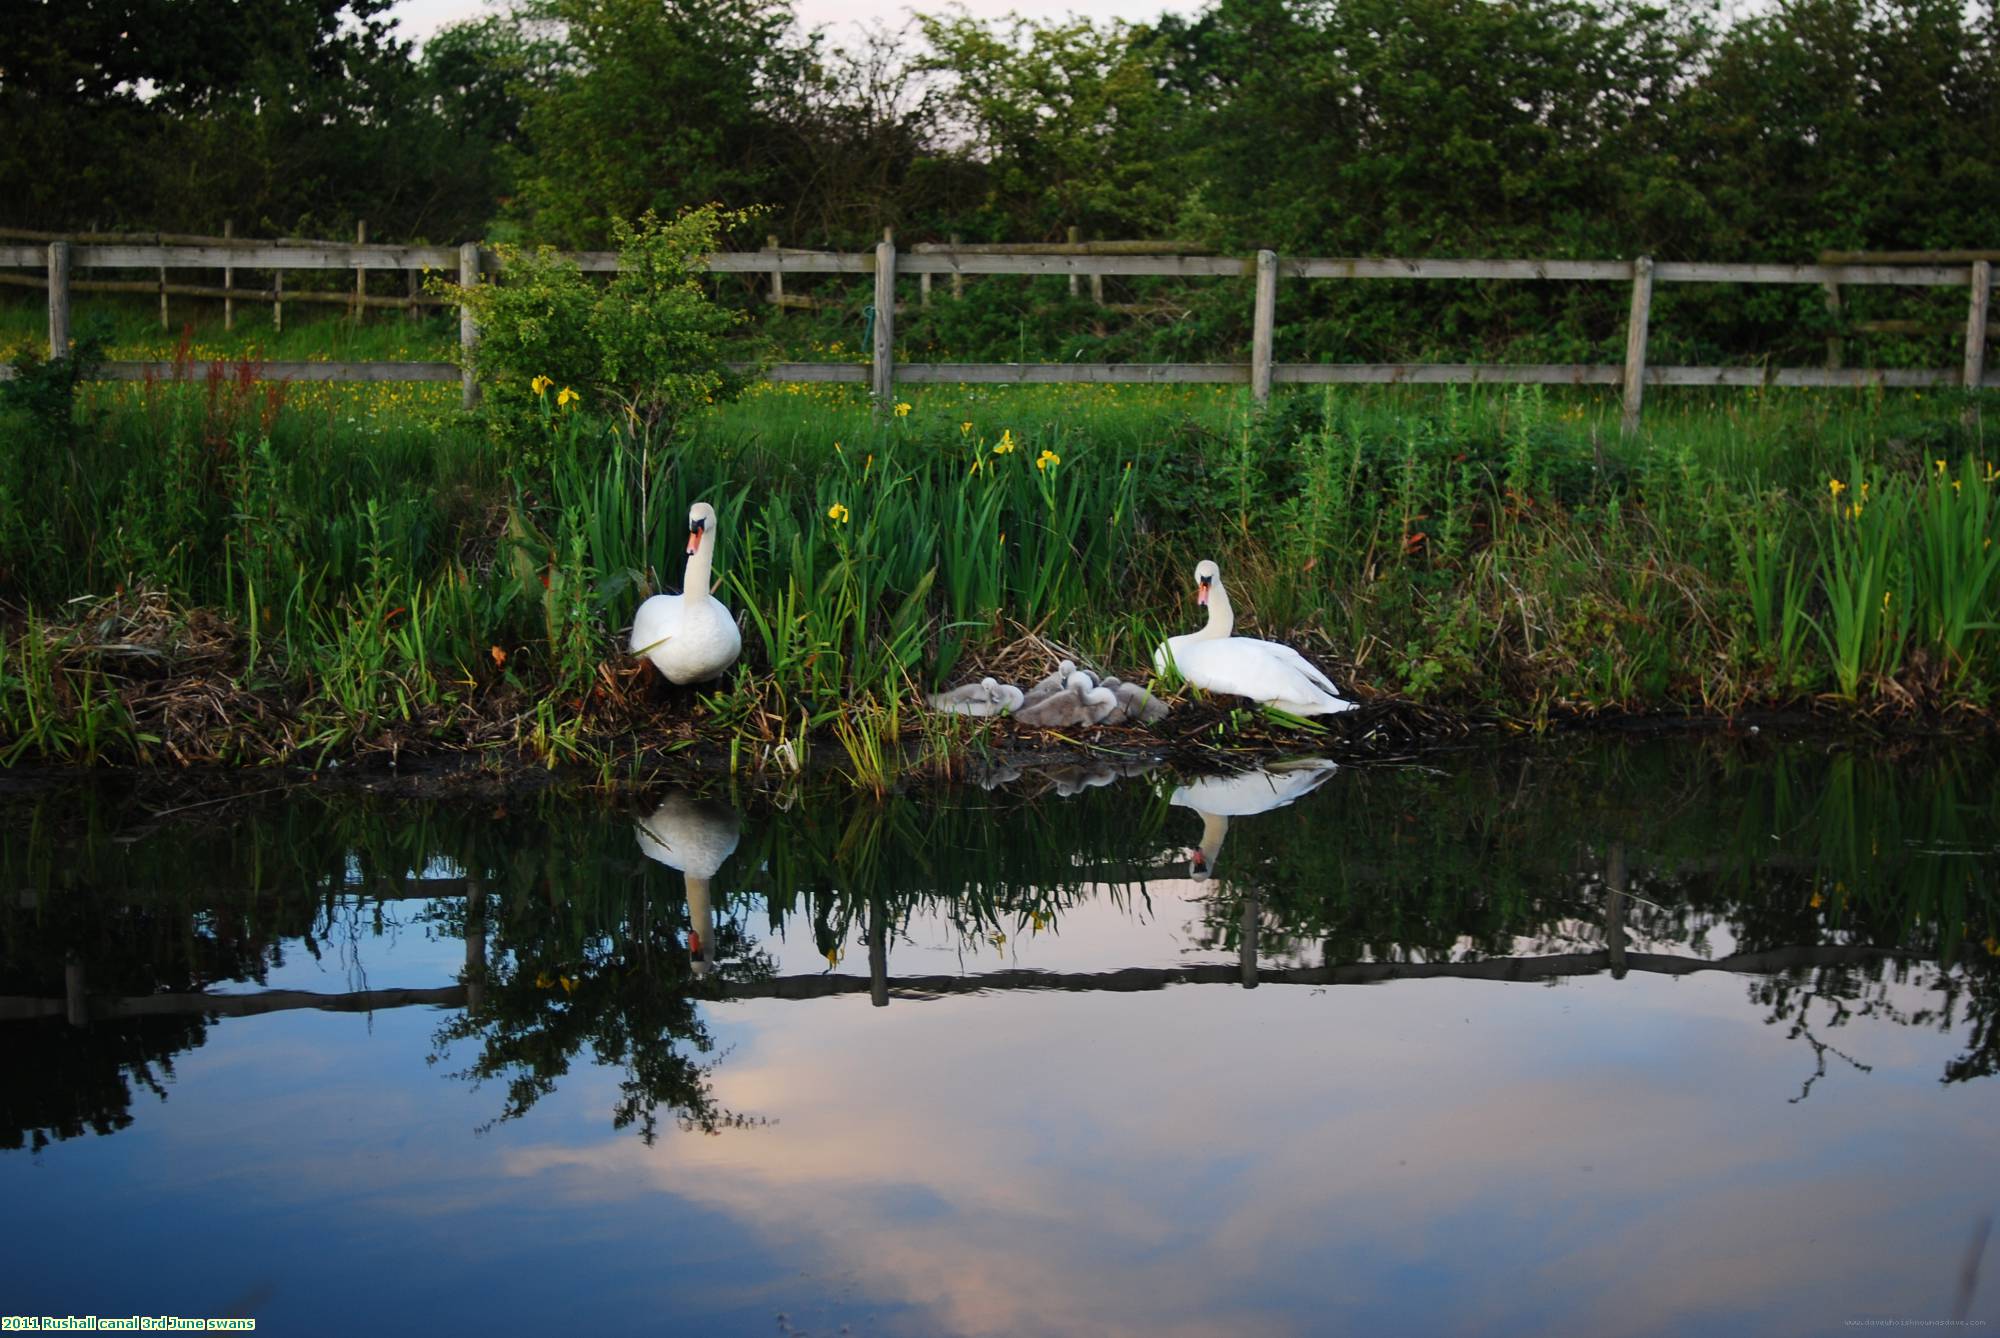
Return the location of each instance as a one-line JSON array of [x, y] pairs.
[[1608, 1039]]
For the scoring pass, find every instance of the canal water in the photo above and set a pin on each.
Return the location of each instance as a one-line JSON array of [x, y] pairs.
[[1608, 1038]]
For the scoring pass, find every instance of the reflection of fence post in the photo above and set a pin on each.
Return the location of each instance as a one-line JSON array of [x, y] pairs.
[[1246, 943], [1263, 325], [475, 944], [1635, 342], [76, 1004], [878, 955], [1975, 334], [1614, 908], [883, 380], [468, 327], [58, 300], [228, 277]]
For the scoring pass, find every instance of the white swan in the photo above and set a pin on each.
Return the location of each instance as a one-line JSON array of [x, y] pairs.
[[1217, 799], [694, 836], [1241, 666], [689, 637]]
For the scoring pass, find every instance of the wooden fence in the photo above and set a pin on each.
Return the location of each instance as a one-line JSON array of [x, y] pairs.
[[1263, 273]]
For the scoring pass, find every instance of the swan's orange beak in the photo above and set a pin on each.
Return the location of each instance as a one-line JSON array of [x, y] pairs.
[[1201, 593], [694, 540], [694, 943]]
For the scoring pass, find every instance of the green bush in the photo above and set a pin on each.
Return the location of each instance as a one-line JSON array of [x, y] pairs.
[[644, 349]]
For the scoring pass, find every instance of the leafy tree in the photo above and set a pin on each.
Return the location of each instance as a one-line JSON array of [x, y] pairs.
[[659, 105]]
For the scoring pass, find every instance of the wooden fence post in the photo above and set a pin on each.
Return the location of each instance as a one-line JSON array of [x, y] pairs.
[[164, 323], [1635, 342], [414, 289], [957, 278], [277, 301], [228, 279], [884, 375], [1835, 346], [468, 328], [58, 300], [1263, 323], [777, 276], [360, 274], [1975, 324], [1075, 239]]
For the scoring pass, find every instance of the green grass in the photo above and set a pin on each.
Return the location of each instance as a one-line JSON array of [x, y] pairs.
[[387, 576]]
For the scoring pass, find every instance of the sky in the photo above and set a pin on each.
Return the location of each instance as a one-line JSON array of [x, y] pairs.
[[420, 18]]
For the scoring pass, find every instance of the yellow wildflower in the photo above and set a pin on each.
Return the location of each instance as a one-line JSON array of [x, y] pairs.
[[832, 958], [540, 385], [1836, 487], [1006, 445], [902, 410], [1047, 458], [566, 397], [1956, 486], [1885, 600], [1940, 466], [837, 513], [1818, 901], [965, 428], [1992, 946]]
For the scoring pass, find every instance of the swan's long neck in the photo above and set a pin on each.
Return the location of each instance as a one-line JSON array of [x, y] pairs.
[[1213, 828], [701, 926], [701, 564], [1221, 615]]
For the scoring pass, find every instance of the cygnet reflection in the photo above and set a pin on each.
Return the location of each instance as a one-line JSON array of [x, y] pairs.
[[1217, 799], [694, 836]]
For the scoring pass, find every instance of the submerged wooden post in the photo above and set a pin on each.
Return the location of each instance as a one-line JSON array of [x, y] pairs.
[[468, 327], [777, 275], [228, 278], [58, 300], [1263, 324], [1635, 342], [883, 379]]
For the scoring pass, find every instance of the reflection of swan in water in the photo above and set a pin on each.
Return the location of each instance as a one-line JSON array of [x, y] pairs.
[[694, 836], [1219, 798]]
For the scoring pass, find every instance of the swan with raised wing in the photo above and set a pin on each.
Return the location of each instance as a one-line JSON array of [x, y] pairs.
[[1240, 666], [690, 637]]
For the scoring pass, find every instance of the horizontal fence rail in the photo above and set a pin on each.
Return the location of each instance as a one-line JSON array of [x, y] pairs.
[[57, 260]]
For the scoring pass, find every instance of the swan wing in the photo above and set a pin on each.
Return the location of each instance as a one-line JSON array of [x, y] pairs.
[[656, 621]]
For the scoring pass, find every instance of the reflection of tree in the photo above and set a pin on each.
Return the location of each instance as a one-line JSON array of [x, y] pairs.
[[64, 1081], [577, 974]]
